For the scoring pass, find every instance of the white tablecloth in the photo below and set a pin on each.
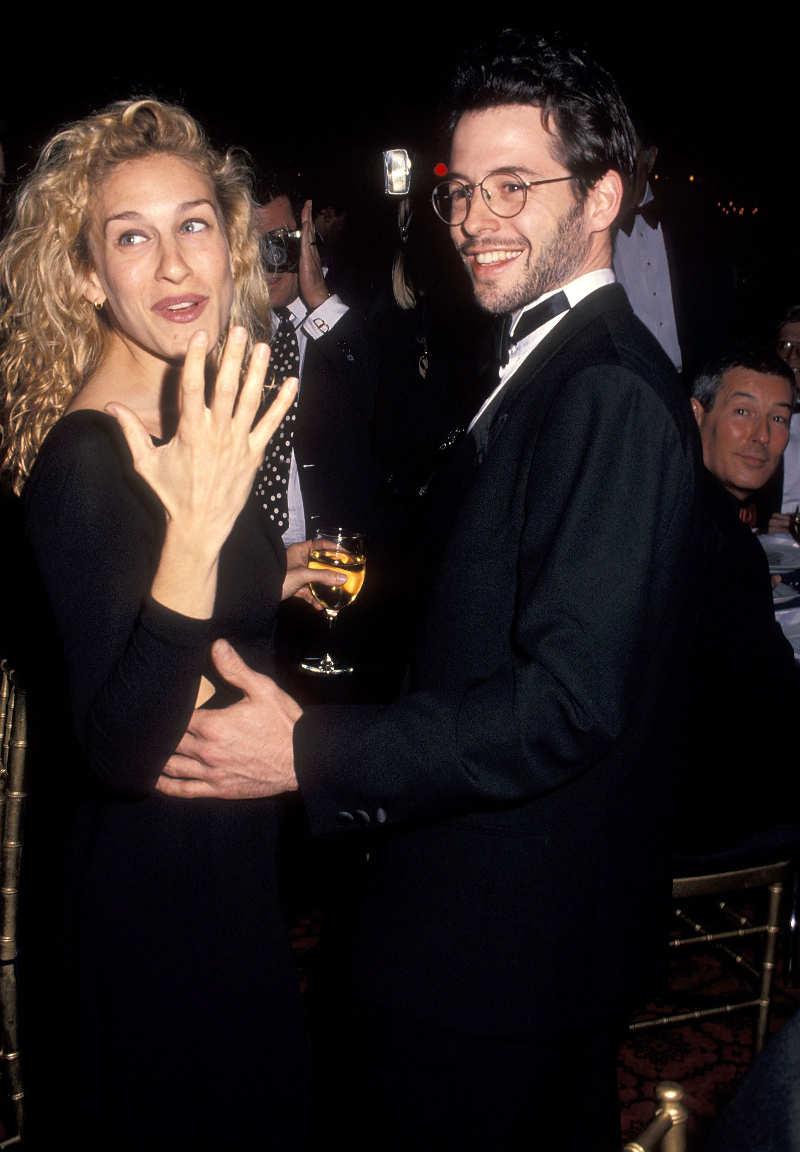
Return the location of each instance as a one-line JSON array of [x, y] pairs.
[[781, 549], [789, 620]]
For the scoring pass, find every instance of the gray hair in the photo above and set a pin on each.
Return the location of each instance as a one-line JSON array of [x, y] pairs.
[[763, 360]]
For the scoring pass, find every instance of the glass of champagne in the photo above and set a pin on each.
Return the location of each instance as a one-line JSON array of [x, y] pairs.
[[337, 550]]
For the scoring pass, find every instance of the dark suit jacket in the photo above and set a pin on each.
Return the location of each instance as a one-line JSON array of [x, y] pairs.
[[338, 475], [745, 691], [520, 781]]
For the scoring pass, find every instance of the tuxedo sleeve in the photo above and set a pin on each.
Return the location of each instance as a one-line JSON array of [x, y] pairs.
[[607, 495]]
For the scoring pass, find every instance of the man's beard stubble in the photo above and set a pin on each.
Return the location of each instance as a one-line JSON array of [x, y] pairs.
[[560, 258]]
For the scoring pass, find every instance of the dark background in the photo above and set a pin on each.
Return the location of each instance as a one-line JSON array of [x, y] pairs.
[[307, 93]]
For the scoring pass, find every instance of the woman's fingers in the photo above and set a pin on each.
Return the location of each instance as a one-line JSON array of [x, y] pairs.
[[204, 473], [253, 388], [228, 402], [191, 394], [226, 387], [268, 425]]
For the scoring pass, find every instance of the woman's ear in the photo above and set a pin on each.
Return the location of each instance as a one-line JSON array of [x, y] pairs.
[[93, 290]]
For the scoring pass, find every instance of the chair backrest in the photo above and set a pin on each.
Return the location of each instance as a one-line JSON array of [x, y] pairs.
[[14, 729], [13, 747]]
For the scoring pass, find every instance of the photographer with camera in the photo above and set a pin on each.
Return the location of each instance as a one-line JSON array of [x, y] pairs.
[[318, 467]]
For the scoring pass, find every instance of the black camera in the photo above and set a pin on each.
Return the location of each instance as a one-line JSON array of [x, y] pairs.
[[281, 250]]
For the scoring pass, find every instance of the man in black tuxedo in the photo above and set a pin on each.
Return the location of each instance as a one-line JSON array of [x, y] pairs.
[[516, 790]]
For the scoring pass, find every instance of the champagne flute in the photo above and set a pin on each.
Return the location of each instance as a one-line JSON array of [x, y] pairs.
[[337, 550]]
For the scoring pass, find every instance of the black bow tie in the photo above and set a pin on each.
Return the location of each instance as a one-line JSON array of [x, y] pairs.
[[532, 319], [649, 213]]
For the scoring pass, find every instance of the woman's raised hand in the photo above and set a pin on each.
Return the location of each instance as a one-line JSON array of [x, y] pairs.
[[204, 474]]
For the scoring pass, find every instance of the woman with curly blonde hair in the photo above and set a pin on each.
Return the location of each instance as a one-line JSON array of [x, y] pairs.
[[162, 1006]]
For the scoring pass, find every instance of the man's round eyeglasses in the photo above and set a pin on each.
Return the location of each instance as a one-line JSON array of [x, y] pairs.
[[786, 347], [505, 194]]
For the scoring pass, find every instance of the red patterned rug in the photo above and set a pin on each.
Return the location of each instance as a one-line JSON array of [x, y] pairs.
[[708, 1058]]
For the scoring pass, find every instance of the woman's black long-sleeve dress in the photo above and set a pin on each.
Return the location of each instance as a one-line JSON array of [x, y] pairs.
[[162, 998]]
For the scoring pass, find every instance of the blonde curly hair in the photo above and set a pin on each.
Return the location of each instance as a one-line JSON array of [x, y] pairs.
[[51, 338]]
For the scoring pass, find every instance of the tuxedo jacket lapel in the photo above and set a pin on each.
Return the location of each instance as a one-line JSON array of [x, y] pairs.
[[457, 474], [609, 298]]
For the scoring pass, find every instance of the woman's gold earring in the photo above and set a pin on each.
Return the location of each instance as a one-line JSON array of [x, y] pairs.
[[99, 305]]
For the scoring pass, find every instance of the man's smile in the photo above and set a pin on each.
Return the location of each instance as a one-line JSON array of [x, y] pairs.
[[495, 257], [483, 259]]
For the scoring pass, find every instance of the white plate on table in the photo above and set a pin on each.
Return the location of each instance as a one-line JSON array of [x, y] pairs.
[[785, 597], [783, 551], [790, 626]]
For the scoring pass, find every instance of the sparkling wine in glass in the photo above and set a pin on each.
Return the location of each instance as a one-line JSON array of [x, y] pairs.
[[337, 550]]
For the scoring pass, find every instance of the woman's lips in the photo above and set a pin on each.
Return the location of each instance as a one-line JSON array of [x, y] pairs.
[[181, 309]]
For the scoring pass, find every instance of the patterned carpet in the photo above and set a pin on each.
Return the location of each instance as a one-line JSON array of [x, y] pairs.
[[708, 1058]]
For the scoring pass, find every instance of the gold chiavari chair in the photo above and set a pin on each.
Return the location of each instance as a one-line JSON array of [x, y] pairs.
[[736, 927], [667, 1130], [13, 745]]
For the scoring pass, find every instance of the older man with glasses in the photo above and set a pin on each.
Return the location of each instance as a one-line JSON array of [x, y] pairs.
[[789, 341]]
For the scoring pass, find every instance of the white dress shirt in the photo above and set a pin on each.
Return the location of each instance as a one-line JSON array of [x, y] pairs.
[[791, 467], [640, 262], [308, 325]]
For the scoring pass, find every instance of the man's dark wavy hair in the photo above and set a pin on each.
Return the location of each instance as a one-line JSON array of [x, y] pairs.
[[277, 184], [580, 102]]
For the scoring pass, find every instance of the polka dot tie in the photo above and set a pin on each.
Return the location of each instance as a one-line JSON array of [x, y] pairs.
[[272, 478]]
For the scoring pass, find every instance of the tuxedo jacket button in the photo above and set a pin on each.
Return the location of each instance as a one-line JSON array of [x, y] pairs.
[[344, 348], [361, 816], [381, 816], [344, 817]]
